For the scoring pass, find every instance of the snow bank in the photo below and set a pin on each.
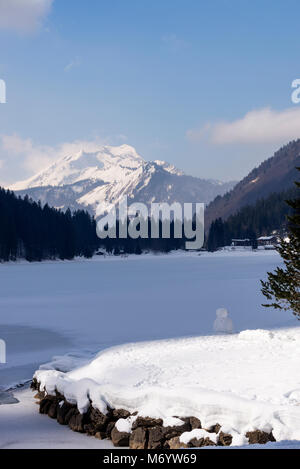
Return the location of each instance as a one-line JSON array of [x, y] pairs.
[[125, 425], [186, 437], [243, 381], [256, 335]]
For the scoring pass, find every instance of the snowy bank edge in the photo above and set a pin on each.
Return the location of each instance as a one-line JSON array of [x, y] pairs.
[[138, 432]]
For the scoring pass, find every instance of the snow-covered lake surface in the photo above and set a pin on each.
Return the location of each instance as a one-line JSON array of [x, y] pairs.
[[52, 308], [22, 427], [80, 308]]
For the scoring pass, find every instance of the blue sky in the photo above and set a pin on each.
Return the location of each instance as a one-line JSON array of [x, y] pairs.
[[205, 85]]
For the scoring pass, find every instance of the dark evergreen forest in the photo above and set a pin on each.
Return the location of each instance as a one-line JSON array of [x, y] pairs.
[[266, 215], [34, 232]]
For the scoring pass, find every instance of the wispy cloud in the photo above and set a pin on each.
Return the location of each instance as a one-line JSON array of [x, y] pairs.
[[23, 15], [29, 158], [72, 64], [257, 126], [32, 157], [174, 43], [36, 157]]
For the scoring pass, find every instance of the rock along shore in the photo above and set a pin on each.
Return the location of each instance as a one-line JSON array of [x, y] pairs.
[[130, 430]]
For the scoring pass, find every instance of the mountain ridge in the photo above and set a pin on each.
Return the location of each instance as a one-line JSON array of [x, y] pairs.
[[98, 180], [273, 175]]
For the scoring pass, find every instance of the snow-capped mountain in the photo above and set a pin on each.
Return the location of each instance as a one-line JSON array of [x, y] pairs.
[[99, 180]]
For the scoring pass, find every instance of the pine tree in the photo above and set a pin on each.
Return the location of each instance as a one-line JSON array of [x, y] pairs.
[[252, 236], [216, 237], [33, 232], [283, 285]]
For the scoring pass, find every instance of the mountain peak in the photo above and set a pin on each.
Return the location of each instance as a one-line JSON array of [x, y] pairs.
[[169, 167], [82, 165], [97, 180]]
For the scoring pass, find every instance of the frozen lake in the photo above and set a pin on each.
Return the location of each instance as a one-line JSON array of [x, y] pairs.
[[52, 308]]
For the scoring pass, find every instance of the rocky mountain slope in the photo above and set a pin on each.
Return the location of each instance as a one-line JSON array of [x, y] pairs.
[[275, 174]]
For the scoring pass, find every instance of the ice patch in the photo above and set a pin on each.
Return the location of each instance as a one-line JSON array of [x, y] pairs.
[[7, 398]]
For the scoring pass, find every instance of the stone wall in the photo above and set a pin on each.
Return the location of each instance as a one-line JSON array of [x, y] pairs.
[[145, 433]]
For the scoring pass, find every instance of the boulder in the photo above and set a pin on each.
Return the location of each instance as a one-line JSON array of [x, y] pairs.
[[62, 412], [52, 411], [77, 421], [109, 428], [214, 428], [175, 443], [194, 423], [138, 438], [176, 430], [98, 419], [90, 429], [34, 384], [100, 435], [119, 438], [39, 395], [120, 414], [198, 443], [156, 438], [146, 422], [59, 396], [71, 412], [224, 439], [45, 405], [259, 437]]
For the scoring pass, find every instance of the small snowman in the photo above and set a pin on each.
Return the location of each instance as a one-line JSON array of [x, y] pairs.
[[223, 324]]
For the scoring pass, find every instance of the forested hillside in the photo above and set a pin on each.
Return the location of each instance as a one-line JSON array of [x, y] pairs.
[[251, 221], [276, 174], [30, 231], [33, 232]]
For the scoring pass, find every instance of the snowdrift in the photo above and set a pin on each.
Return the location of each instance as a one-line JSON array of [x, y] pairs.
[[244, 382]]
